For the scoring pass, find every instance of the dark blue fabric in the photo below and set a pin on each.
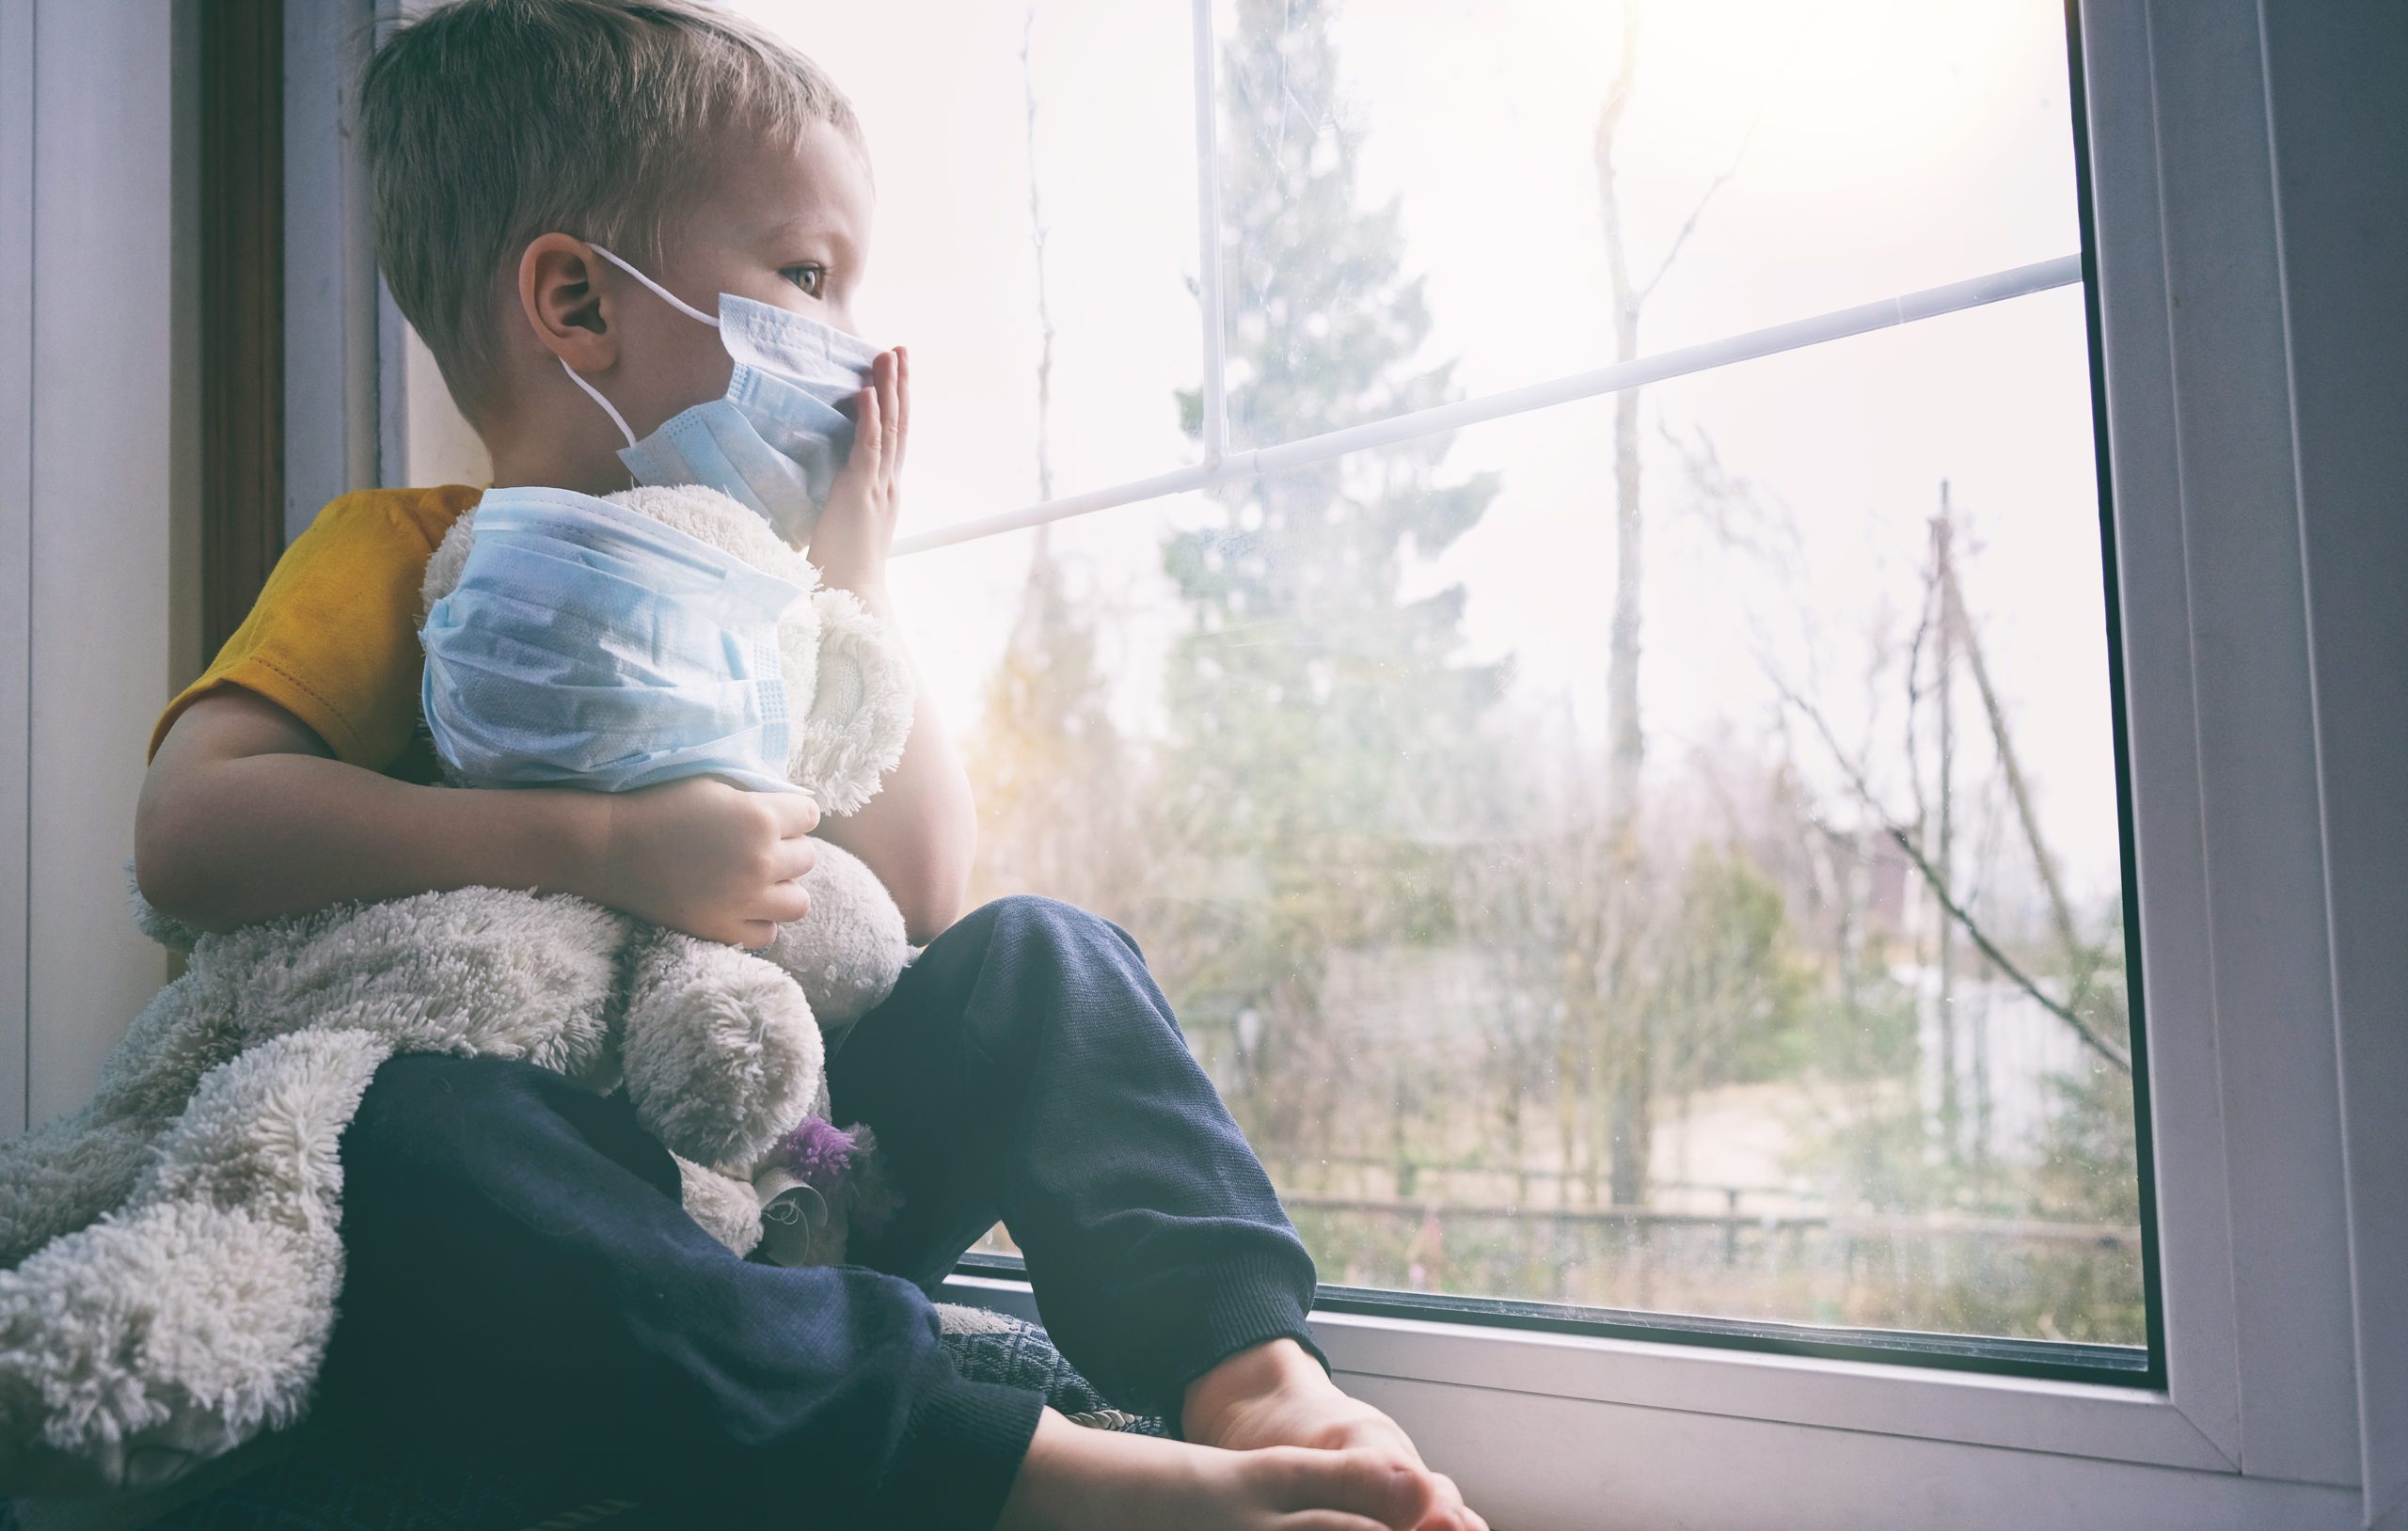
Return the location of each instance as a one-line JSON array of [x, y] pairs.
[[1027, 1066], [318, 1487], [523, 1283]]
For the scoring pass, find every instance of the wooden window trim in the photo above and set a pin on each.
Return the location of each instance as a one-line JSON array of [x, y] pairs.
[[241, 307]]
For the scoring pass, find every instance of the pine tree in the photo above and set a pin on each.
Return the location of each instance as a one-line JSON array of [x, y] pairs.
[[1325, 729]]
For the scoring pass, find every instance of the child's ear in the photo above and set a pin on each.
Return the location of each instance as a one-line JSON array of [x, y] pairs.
[[563, 304]]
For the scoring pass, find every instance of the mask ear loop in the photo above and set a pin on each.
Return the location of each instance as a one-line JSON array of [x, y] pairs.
[[666, 296], [595, 394]]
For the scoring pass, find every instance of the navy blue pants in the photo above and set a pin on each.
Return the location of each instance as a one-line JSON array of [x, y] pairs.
[[522, 1282]]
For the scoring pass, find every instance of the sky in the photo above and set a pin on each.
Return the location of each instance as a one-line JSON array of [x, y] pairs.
[[1864, 149]]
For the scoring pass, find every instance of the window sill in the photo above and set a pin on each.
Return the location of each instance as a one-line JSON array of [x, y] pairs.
[[1548, 1429], [2077, 1419]]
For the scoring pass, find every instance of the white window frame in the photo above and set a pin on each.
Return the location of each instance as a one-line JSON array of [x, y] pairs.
[[2268, 1325]]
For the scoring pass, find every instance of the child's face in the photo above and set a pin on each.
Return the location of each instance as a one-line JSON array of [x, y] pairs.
[[785, 226]]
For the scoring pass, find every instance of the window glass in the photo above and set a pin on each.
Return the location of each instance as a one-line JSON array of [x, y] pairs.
[[1659, 852], [1495, 1038], [1766, 161]]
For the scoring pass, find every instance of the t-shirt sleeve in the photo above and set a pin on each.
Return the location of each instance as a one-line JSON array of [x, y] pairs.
[[333, 638]]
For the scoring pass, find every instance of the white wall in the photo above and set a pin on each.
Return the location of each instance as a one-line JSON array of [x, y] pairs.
[[98, 251], [99, 551]]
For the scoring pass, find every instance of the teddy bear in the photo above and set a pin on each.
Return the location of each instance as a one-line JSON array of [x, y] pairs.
[[170, 1253], [722, 1049]]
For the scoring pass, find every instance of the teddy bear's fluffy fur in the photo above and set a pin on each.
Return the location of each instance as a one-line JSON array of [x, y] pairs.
[[169, 1253], [722, 1048]]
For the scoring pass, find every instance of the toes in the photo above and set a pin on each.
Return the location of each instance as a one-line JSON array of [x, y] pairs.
[[1448, 1512], [1394, 1492]]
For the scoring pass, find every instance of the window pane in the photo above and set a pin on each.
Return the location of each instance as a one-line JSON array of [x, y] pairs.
[[1423, 178], [1509, 1015], [953, 269]]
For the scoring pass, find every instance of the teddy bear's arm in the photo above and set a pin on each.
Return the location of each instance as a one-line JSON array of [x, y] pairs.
[[860, 715], [847, 952], [721, 1053]]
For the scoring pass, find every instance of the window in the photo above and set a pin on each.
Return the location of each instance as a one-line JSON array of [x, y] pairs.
[[1587, 667], [2242, 325]]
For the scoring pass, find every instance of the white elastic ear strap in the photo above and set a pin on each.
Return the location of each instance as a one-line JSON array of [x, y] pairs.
[[595, 394], [666, 295]]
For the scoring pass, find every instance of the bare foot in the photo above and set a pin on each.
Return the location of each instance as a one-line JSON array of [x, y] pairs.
[[1078, 1479], [1276, 1395]]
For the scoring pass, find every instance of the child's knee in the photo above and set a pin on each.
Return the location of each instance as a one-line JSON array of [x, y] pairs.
[[1032, 921]]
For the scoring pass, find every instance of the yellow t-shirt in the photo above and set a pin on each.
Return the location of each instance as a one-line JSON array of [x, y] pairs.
[[333, 638]]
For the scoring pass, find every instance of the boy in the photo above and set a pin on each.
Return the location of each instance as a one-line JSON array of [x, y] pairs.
[[517, 1263]]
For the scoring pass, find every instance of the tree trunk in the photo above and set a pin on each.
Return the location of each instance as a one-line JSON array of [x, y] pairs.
[[1951, 1136], [1632, 1037]]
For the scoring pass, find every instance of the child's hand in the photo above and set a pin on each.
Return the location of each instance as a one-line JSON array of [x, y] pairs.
[[858, 522], [708, 858]]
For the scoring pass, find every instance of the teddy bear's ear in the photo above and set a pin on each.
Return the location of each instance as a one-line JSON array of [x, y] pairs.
[[443, 569], [860, 707]]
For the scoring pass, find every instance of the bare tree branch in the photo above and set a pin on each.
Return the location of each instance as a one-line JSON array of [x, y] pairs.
[[1956, 911], [2058, 907], [1735, 509], [1672, 252], [1914, 700]]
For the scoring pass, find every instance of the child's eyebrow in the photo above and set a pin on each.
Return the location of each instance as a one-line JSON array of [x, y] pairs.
[[800, 226]]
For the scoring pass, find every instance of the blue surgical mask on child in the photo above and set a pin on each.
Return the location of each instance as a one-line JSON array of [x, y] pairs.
[[588, 644], [775, 439]]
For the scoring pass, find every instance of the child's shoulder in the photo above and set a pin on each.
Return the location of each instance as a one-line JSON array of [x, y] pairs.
[[333, 636], [407, 522]]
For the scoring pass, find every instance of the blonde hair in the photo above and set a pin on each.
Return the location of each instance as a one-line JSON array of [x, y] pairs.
[[489, 122]]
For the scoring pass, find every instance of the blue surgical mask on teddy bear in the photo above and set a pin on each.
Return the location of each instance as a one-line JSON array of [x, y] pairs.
[[588, 645], [775, 439]]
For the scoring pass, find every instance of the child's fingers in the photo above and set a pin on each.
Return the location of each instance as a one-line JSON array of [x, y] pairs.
[[902, 402], [783, 903], [793, 812], [869, 437], [1329, 1520], [890, 408], [793, 858]]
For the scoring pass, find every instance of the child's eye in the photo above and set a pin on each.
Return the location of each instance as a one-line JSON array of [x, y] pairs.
[[793, 274]]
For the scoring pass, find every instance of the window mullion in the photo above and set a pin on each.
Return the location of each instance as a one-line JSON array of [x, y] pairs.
[[1906, 308], [1207, 238]]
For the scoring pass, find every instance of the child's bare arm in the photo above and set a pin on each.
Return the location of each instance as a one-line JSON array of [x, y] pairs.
[[921, 832], [246, 815]]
